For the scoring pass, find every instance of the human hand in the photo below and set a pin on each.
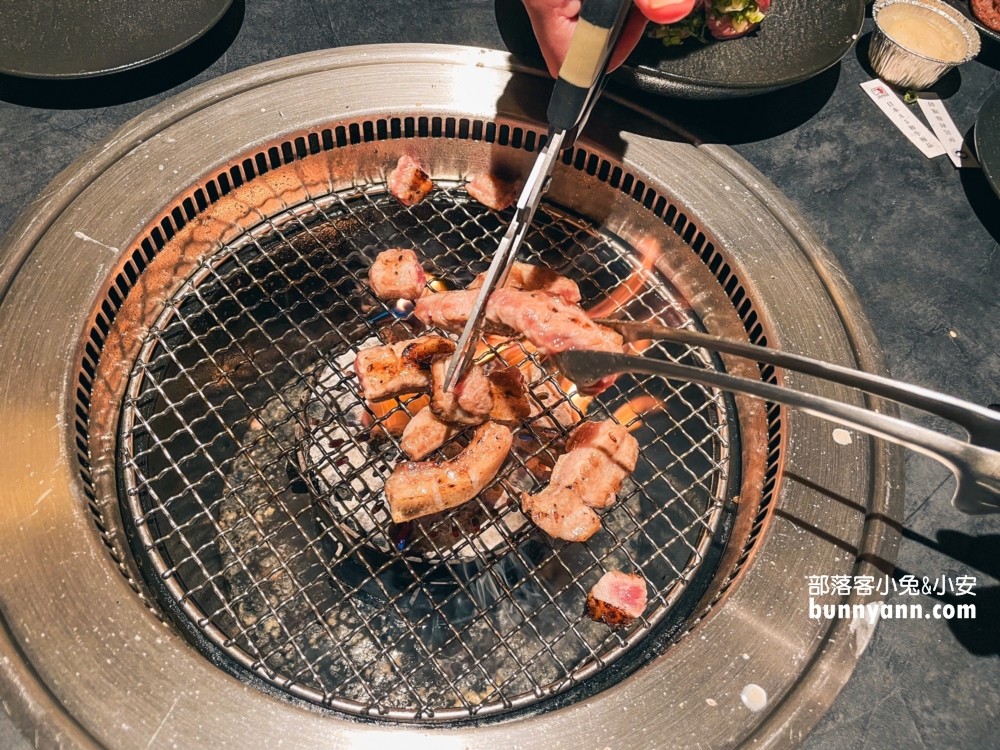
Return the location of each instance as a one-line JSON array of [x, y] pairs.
[[555, 20]]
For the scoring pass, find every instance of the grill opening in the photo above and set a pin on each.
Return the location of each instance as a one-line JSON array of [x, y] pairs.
[[251, 471]]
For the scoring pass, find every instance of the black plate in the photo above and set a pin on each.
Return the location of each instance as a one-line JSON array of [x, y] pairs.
[[963, 7], [798, 40], [81, 38], [987, 137]]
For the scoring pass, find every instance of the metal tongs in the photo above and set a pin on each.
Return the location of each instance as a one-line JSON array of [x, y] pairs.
[[581, 79], [975, 464]]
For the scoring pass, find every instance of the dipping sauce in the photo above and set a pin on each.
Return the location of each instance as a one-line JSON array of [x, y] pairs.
[[923, 31]]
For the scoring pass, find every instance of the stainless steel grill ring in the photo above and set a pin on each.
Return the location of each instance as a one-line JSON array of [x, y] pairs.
[[190, 465]]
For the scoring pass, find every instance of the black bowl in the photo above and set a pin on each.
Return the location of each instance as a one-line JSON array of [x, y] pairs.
[[798, 40]]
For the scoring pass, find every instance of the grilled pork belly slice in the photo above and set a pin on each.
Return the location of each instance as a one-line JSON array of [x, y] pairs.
[[529, 278], [510, 401], [397, 274], [449, 311], [425, 433], [418, 489], [404, 367], [468, 403], [617, 599], [599, 456], [553, 326], [561, 515], [408, 181], [491, 191]]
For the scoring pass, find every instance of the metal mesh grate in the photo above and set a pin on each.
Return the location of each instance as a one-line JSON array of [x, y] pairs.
[[253, 470]]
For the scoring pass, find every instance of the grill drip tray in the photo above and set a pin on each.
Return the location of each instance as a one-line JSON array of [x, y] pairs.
[[243, 398], [211, 446]]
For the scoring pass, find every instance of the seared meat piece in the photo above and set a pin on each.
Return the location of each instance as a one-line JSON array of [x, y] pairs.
[[529, 278], [510, 402], [447, 310], [549, 323], [617, 599], [419, 489], [469, 402], [408, 181], [561, 515], [730, 20], [404, 367], [553, 326], [491, 191], [425, 433], [397, 274], [600, 455], [987, 11]]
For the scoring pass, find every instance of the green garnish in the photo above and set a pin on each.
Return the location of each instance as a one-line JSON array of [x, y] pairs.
[[674, 34]]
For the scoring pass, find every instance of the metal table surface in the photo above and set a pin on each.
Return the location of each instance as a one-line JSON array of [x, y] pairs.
[[918, 238]]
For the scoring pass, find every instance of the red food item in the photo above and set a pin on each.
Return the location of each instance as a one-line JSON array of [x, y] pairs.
[[617, 599], [408, 181], [987, 11], [726, 26], [397, 274], [491, 191]]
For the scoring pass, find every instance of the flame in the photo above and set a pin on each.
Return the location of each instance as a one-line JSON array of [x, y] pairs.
[[639, 347], [630, 414], [391, 417], [579, 400], [648, 250]]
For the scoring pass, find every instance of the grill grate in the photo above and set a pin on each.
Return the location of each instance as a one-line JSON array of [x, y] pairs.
[[253, 471]]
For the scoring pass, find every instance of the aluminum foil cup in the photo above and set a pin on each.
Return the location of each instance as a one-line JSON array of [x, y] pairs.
[[902, 67]]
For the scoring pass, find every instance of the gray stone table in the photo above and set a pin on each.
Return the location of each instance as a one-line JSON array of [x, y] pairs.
[[917, 238]]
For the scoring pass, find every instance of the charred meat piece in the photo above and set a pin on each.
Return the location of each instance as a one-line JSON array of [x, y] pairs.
[[553, 326], [561, 515], [418, 489], [510, 401], [408, 181], [424, 434], [397, 274], [600, 455], [529, 278], [468, 403], [491, 191], [404, 367], [617, 599]]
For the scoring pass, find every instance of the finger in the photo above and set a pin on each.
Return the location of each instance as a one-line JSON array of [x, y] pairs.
[[631, 34], [553, 22], [665, 11]]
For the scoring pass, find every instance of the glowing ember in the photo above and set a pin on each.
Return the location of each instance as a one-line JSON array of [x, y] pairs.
[[648, 250], [391, 417], [630, 415]]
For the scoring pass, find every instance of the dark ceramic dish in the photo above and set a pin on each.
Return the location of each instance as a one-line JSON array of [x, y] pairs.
[[798, 40], [80, 38], [987, 139]]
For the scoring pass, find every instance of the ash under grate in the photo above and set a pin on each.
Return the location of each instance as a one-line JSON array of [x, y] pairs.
[[253, 471]]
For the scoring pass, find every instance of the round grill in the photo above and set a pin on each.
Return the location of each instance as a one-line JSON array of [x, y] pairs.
[[253, 469]]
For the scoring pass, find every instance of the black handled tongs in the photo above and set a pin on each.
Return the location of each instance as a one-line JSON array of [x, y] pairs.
[[975, 464], [581, 79]]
